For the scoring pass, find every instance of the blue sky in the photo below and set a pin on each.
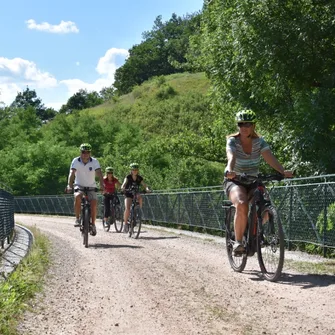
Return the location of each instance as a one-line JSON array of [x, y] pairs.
[[59, 47]]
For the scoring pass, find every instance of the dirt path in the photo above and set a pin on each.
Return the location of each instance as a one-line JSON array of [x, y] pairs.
[[167, 283]]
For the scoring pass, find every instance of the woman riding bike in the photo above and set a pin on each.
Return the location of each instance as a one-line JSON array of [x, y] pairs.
[[133, 179], [110, 184], [244, 149]]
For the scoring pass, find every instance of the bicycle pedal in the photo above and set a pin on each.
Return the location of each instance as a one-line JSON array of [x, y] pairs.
[[239, 253]]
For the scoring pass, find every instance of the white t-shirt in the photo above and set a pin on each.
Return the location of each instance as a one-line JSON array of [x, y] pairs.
[[85, 173]]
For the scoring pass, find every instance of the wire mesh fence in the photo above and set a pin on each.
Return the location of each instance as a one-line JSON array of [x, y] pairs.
[[6, 217], [306, 207]]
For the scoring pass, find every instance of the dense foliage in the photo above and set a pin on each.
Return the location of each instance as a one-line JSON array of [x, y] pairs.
[[163, 51], [274, 58], [277, 58]]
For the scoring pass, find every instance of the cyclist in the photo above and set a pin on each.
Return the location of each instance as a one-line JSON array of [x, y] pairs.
[[133, 179], [83, 171], [244, 149], [109, 184]]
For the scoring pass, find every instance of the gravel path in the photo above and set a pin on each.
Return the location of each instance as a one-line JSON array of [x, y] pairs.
[[167, 283]]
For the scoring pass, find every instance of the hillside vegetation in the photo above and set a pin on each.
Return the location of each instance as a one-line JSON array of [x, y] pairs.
[[173, 101], [148, 125]]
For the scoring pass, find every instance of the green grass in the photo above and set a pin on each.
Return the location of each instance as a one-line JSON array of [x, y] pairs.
[[23, 284], [321, 268]]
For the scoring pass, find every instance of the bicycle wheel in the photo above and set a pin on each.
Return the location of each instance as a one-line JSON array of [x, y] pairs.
[[135, 223], [106, 224], [118, 218], [270, 244], [86, 226], [236, 262]]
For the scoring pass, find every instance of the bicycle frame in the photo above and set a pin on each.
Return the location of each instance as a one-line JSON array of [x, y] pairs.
[[135, 214], [85, 213], [263, 233], [114, 216]]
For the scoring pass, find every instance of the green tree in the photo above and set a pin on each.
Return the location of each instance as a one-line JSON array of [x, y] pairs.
[[28, 98], [278, 60], [162, 52], [81, 100], [107, 93]]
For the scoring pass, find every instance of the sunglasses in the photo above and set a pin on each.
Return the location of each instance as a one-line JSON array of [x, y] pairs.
[[109, 172], [245, 124], [86, 152]]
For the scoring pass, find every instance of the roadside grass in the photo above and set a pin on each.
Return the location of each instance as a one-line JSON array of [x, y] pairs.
[[319, 268], [22, 284]]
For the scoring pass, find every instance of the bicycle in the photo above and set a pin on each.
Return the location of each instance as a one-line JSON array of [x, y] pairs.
[[116, 214], [264, 232], [85, 219], [135, 219]]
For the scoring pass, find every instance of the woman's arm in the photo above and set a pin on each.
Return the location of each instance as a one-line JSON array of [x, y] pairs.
[[123, 186], [145, 186], [273, 162], [229, 170]]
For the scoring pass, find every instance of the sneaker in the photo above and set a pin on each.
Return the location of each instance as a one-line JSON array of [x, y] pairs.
[[126, 228], [238, 248], [77, 223], [93, 230]]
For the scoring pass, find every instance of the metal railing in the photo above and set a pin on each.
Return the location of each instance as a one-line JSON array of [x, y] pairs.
[[306, 207], [6, 217]]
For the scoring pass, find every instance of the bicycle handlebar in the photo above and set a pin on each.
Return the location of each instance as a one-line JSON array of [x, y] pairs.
[[85, 189], [261, 177]]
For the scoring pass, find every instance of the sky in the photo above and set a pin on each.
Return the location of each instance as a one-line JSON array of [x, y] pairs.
[[59, 47]]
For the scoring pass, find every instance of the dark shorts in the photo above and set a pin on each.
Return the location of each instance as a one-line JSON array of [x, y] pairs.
[[228, 184], [129, 195]]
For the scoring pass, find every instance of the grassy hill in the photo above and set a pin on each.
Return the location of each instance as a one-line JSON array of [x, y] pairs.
[[162, 125]]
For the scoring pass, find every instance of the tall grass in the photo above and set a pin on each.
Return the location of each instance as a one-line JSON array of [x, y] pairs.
[[23, 284]]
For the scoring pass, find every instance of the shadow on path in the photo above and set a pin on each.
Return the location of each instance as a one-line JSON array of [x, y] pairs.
[[113, 246], [305, 281]]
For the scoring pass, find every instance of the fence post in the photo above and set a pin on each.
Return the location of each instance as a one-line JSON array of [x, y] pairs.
[[324, 248], [290, 219]]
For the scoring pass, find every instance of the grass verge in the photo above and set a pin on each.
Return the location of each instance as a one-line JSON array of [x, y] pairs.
[[323, 268], [23, 284]]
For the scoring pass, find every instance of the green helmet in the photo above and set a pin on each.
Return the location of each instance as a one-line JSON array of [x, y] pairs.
[[85, 147], [134, 166], [246, 115], [109, 169]]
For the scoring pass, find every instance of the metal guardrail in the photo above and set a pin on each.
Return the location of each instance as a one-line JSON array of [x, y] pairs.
[[6, 217], [306, 207]]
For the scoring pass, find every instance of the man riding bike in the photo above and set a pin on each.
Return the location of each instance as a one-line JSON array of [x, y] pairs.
[[83, 171]]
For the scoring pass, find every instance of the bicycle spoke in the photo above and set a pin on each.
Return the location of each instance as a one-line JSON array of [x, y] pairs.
[[237, 263], [118, 218], [270, 248], [86, 224]]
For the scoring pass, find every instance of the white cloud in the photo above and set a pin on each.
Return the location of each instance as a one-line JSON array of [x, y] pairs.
[[108, 64], [106, 67], [17, 73], [64, 27]]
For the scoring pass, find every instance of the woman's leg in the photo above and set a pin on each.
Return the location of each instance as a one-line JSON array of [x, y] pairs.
[[127, 204], [106, 208], [238, 196]]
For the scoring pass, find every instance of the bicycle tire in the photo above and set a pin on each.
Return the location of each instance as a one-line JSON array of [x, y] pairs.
[[137, 223], [118, 219], [270, 244], [106, 224], [86, 226], [237, 263], [131, 222]]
